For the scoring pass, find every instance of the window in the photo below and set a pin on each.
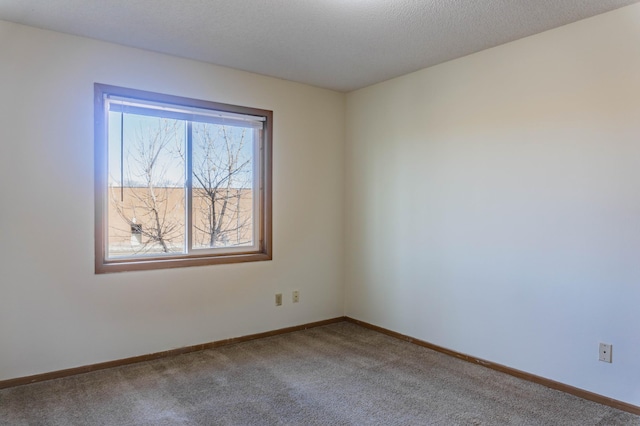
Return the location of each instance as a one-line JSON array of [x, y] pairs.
[[179, 182]]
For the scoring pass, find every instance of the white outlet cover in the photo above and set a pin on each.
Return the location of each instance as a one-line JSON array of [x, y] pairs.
[[605, 352]]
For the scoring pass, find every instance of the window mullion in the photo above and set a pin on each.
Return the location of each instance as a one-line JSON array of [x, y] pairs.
[[189, 184]]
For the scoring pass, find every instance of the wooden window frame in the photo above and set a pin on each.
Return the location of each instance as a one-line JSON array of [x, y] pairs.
[[264, 164]]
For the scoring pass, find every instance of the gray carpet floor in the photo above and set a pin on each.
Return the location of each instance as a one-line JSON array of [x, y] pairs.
[[340, 374]]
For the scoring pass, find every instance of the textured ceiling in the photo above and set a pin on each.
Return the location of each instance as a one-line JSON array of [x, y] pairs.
[[337, 44]]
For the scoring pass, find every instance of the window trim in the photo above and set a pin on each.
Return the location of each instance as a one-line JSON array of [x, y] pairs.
[[263, 162]]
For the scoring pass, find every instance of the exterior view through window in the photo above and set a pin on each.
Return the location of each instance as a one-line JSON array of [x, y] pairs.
[[179, 181]]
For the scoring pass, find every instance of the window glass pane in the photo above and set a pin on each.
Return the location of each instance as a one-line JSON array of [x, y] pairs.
[[223, 186], [146, 194]]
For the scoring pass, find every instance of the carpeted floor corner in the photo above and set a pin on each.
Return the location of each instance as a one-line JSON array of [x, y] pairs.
[[340, 374]]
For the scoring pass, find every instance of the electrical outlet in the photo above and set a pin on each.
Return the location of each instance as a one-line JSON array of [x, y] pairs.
[[605, 352], [295, 296], [279, 299]]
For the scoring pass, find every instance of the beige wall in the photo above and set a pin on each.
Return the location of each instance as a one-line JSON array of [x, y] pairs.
[[55, 313], [127, 204], [493, 204]]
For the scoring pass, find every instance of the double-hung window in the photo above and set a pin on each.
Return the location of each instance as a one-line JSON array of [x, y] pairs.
[[179, 181]]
